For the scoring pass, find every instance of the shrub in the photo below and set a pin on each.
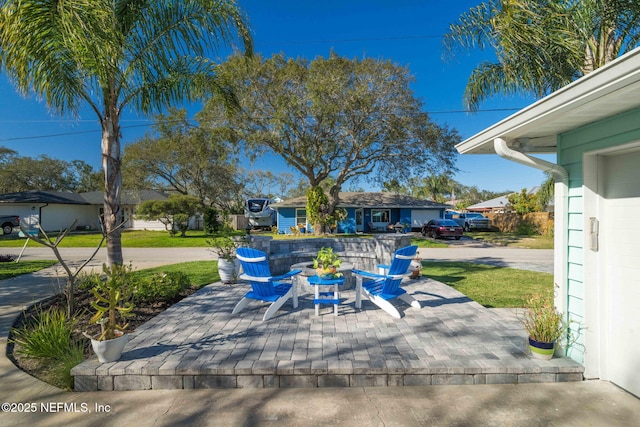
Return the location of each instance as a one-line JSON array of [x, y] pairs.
[[527, 228], [541, 319], [47, 335], [48, 338], [211, 222], [61, 369], [160, 286]]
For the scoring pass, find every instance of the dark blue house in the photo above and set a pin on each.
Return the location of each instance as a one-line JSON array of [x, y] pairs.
[[366, 212]]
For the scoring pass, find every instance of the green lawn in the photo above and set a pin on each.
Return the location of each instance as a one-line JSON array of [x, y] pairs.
[[491, 286], [12, 269], [512, 240], [130, 239], [200, 273]]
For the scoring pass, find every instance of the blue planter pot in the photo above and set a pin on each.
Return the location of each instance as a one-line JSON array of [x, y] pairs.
[[541, 350]]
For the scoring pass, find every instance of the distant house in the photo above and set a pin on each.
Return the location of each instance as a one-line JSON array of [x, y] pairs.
[[366, 212], [57, 210], [593, 126], [500, 204]]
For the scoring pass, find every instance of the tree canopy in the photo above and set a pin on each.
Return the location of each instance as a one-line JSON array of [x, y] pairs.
[[21, 173], [346, 118], [173, 212], [542, 45], [183, 157]]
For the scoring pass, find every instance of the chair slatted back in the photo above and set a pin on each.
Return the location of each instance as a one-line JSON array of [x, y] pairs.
[[398, 269], [256, 270]]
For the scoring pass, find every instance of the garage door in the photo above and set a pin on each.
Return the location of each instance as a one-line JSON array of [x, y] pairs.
[[419, 217], [620, 238]]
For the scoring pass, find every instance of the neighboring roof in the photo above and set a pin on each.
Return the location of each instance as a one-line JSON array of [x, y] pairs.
[[129, 197], [37, 196], [605, 92], [370, 200], [498, 202], [89, 198]]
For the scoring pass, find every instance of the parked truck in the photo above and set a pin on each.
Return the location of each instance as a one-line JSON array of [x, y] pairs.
[[9, 222], [472, 221]]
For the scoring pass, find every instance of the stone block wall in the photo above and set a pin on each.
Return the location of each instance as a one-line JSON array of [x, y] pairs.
[[363, 253]]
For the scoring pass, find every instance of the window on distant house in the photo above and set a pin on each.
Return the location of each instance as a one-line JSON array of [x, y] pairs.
[[380, 215], [301, 217]]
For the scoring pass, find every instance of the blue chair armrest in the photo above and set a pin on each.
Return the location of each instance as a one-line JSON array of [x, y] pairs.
[[367, 274], [287, 275]]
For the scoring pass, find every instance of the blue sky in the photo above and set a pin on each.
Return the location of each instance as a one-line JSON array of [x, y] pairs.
[[407, 32]]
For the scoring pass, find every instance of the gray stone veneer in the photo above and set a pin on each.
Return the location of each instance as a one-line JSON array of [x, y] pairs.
[[363, 253]]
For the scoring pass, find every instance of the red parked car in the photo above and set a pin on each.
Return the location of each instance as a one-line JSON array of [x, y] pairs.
[[437, 228]]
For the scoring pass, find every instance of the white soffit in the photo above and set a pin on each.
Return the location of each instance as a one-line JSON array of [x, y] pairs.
[[608, 91]]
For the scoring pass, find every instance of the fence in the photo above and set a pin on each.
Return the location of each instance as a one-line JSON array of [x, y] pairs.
[[532, 223]]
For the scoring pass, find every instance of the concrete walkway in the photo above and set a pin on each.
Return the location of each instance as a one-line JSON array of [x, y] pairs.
[[586, 403]]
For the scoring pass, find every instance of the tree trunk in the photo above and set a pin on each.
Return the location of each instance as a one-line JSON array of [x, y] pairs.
[[112, 187]]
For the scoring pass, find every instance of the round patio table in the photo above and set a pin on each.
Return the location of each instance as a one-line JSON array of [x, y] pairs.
[[309, 271]]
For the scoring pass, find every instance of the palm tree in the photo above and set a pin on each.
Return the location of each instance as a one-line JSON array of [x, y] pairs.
[[542, 45], [115, 54], [546, 191]]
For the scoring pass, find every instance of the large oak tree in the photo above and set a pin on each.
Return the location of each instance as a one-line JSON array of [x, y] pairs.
[[335, 117]]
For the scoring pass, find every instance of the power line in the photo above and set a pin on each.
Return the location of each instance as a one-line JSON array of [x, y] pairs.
[[55, 135]]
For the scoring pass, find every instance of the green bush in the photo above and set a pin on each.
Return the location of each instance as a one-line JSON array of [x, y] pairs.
[[211, 222], [47, 335], [160, 286], [527, 228], [61, 368]]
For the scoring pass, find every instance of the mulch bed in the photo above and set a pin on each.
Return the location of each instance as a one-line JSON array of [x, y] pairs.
[[142, 312]]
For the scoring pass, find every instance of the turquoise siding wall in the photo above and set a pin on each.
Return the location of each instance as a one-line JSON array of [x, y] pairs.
[[572, 146]]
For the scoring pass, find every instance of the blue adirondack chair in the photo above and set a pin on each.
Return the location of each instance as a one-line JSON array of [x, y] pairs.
[[264, 287], [383, 287]]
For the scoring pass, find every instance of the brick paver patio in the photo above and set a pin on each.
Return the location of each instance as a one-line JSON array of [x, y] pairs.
[[197, 343]]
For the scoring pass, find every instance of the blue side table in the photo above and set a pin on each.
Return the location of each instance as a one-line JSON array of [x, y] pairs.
[[321, 297]]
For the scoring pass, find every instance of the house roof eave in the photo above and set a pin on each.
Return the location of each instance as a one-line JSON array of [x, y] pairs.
[[609, 90]]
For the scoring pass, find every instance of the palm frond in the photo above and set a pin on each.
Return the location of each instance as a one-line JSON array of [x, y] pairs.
[[542, 46]]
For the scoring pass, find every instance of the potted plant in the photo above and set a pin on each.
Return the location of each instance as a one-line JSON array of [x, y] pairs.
[[415, 267], [112, 300], [544, 324], [327, 263], [228, 265]]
